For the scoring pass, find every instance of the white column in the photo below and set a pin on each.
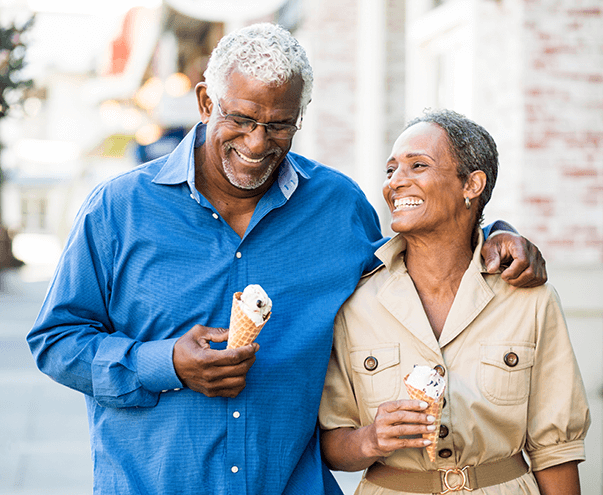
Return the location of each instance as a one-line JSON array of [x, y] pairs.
[[370, 99]]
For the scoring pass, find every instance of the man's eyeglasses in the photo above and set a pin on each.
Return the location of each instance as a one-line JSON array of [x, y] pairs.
[[247, 125]]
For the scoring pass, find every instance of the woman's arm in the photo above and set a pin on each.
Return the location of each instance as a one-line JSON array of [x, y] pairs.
[[349, 449], [562, 479]]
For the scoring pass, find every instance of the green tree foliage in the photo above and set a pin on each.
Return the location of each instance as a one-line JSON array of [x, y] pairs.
[[12, 61], [12, 86]]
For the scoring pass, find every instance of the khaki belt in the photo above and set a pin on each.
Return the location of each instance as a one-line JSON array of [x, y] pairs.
[[448, 480]]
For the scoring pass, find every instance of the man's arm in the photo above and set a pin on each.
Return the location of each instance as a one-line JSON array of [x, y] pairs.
[[521, 262], [75, 341]]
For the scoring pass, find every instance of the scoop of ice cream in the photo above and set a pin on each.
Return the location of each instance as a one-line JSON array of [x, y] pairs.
[[255, 303], [428, 380]]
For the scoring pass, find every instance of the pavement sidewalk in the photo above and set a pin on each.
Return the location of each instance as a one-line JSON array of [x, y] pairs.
[[44, 445]]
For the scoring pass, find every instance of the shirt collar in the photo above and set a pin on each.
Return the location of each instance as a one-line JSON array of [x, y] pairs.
[[391, 253], [180, 165]]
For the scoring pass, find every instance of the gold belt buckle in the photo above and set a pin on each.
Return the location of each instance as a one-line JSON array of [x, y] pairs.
[[462, 472]]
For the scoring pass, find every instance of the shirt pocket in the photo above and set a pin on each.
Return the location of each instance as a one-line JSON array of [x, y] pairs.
[[377, 372], [505, 371]]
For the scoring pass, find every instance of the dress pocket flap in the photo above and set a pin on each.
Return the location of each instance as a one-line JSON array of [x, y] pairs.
[[372, 360], [508, 356]]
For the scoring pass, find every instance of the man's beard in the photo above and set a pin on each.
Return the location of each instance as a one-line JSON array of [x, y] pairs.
[[248, 182]]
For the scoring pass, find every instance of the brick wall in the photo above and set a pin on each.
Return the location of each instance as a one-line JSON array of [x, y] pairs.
[[562, 196]]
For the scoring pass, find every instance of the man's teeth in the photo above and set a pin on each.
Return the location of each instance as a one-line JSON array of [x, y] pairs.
[[247, 159], [407, 203]]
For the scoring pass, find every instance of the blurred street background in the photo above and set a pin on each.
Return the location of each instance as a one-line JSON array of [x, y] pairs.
[[112, 86]]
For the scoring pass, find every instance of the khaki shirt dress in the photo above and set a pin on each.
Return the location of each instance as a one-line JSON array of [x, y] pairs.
[[492, 410]]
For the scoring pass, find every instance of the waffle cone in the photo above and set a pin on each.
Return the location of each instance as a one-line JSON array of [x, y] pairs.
[[242, 330], [435, 409]]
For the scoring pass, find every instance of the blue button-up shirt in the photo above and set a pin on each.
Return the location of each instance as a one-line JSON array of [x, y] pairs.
[[147, 259]]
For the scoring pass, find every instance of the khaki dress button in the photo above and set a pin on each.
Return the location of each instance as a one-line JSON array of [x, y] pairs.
[[443, 431], [445, 453], [371, 363], [440, 369], [511, 359]]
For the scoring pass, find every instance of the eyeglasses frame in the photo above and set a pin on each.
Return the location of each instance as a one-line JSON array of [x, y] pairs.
[[297, 125]]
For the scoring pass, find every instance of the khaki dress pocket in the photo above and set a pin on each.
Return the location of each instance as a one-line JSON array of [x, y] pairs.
[[376, 372], [506, 371]]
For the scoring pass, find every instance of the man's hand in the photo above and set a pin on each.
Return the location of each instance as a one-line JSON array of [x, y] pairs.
[[209, 371], [526, 266]]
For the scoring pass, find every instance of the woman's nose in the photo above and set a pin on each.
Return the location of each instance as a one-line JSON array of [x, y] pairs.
[[399, 178]]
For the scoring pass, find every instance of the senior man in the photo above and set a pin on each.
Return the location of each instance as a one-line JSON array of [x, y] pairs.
[[135, 314]]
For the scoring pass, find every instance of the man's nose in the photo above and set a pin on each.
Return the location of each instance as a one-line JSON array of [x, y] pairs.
[[257, 140]]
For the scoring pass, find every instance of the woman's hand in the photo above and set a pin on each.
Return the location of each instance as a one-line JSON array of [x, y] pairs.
[[348, 449], [394, 420]]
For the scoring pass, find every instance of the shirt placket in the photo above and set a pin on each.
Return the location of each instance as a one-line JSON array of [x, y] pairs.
[[236, 466]]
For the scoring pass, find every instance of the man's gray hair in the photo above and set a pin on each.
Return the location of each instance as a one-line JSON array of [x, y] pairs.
[[471, 146], [264, 51]]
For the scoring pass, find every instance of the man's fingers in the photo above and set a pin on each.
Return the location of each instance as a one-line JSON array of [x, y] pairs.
[[211, 371], [491, 260], [209, 334]]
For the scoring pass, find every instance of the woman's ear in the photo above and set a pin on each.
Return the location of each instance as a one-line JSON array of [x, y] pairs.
[[475, 184], [204, 102]]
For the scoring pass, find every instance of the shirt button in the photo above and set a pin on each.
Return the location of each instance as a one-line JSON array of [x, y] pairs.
[[511, 359], [238, 255], [445, 453], [215, 215], [440, 369], [443, 431], [236, 414], [234, 469]]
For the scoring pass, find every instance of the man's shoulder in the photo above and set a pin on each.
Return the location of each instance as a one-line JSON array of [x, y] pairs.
[[321, 173], [125, 185]]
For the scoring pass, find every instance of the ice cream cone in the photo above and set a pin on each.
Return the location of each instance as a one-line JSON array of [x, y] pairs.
[[242, 329], [435, 409]]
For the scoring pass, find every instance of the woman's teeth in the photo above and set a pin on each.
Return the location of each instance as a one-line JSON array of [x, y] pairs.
[[407, 203]]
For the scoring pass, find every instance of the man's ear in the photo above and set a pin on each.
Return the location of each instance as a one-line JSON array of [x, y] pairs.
[[204, 102], [475, 184]]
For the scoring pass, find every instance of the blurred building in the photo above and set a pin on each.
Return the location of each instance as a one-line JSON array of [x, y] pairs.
[[530, 71]]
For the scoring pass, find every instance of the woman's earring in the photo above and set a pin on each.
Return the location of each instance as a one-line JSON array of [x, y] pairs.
[[467, 203]]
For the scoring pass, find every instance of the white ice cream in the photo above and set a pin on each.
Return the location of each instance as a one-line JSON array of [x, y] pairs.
[[255, 303], [428, 380]]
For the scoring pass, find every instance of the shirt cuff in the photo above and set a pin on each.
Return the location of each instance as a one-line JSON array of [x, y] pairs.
[[156, 366], [498, 227], [557, 454]]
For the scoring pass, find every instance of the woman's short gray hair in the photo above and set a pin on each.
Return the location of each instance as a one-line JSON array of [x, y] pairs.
[[264, 51], [471, 146]]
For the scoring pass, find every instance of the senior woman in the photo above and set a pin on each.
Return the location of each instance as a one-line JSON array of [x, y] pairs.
[[513, 384]]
